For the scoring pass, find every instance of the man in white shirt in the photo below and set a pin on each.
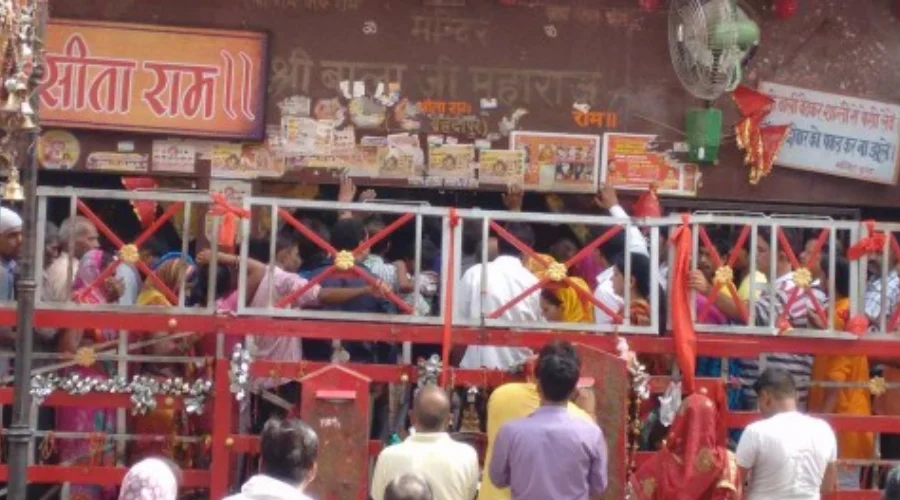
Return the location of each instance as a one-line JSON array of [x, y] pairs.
[[788, 455], [448, 466], [506, 278], [615, 246]]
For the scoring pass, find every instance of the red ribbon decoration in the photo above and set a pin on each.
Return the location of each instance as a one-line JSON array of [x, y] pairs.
[[648, 204], [682, 326], [871, 244], [230, 214]]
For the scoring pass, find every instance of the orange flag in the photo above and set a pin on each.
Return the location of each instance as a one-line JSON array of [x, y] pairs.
[[682, 327]]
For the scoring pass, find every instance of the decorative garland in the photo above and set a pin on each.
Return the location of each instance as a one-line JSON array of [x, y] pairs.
[[640, 391], [143, 389], [239, 375]]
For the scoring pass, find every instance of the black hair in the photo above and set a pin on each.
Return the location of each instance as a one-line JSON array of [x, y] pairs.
[[777, 382], [347, 234], [289, 450], [408, 487], [792, 235], [841, 274], [558, 369], [200, 291], [471, 236], [549, 296], [430, 418], [614, 246], [522, 232], [640, 271], [155, 246], [285, 239], [561, 248], [311, 254], [374, 225]]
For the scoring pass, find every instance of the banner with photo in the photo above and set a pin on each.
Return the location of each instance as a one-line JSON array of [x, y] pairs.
[[565, 163], [631, 163]]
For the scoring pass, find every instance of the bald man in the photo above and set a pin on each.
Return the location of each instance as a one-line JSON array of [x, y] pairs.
[[449, 467], [408, 487]]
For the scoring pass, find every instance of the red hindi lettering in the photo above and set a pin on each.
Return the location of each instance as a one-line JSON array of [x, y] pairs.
[[181, 98]]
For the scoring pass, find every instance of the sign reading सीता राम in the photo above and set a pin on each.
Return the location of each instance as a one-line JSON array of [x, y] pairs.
[[836, 135], [157, 79]]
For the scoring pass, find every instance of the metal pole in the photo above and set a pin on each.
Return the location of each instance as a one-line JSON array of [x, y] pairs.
[[20, 432]]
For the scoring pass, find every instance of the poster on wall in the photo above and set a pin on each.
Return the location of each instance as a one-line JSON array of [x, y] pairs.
[[117, 162], [451, 161], [836, 135], [630, 163], [155, 79], [177, 157], [255, 161], [501, 167], [564, 163], [58, 150]]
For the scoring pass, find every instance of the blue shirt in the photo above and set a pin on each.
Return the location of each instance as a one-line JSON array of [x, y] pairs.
[[550, 455]]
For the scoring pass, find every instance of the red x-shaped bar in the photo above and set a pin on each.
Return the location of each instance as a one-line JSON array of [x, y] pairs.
[[355, 270], [141, 239], [795, 265], [717, 261], [584, 294]]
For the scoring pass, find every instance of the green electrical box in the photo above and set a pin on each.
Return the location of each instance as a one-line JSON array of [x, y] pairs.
[[704, 134]]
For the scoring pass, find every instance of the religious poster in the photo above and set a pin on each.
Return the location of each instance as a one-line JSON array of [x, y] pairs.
[[118, 162], [58, 150], [501, 167], [256, 161], [836, 135], [156, 79], [630, 163], [225, 156], [298, 135], [177, 157], [558, 162], [451, 161], [395, 164]]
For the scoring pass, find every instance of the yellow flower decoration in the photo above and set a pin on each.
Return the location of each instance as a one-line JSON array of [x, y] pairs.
[[556, 271], [129, 253], [344, 260], [877, 386], [85, 356], [724, 275], [802, 277]]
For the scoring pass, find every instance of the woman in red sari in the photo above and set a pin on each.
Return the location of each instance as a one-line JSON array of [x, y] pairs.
[[694, 463]]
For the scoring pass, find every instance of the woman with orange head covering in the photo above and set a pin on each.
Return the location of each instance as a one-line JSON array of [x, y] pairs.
[[694, 464]]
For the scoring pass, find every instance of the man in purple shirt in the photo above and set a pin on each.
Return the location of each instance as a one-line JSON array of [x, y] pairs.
[[550, 454]]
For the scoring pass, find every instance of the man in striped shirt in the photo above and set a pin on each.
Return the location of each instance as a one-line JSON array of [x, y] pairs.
[[770, 308]]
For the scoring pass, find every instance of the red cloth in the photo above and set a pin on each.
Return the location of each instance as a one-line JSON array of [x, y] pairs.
[[682, 325], [751, 102], [694, 464]]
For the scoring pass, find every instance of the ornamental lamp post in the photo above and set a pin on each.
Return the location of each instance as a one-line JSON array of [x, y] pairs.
[[22, 28]]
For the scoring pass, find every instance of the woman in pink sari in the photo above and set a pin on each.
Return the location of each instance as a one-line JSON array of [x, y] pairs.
[[80, 419]]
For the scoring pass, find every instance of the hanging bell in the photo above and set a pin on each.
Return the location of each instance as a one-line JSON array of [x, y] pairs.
[[27, 110], [27, 124], [13, 104], [13, 190]]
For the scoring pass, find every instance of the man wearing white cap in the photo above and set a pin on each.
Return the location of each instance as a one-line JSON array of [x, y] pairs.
[[10, 247]]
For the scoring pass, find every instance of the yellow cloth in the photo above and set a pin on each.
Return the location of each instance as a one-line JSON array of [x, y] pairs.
[[744, 289], [510, 402], [850, 401], [575, 309]]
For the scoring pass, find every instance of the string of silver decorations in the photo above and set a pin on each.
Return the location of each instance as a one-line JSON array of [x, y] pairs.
[[239, 374], [143, 389]]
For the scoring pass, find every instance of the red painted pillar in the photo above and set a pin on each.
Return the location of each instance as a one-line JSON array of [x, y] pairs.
[[785, 9], [221, 432]]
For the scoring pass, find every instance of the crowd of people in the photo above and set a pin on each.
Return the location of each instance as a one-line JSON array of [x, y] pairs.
[[74, 260]]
